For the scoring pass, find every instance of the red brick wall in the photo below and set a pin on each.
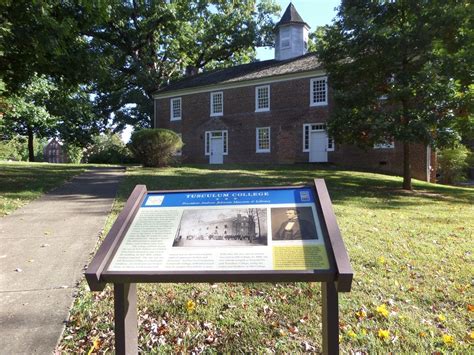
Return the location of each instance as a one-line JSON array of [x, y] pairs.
[[289, 110]]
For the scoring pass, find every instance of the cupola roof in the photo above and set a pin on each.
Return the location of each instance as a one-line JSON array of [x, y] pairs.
[[291, 16]]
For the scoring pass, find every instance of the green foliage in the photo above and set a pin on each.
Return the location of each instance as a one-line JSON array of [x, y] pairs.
[[108, 149], [155, 147], [27, 109], [74, 153], [452, 163], [27, 113], [16, 148], [139, 46], [13, 149], [40, 37], [388, 67]]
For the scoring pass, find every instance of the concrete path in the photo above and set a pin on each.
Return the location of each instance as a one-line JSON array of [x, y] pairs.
[[44, 247]]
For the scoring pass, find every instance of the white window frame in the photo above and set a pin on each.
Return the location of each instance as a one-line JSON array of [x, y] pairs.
[[311, 93], [263, 109], [172, 113], [331, 144], [207, 141], [257, 140], [317, 127], [213, 95], [388, 144], [285, 38]]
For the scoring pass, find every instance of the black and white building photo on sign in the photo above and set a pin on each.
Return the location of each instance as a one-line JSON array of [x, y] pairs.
[[222, 227], [293, 223]]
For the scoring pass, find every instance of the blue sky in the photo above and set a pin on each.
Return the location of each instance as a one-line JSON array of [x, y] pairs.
[[314, 13]]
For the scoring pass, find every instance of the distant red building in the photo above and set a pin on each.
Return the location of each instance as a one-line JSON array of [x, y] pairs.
[[54, 152]]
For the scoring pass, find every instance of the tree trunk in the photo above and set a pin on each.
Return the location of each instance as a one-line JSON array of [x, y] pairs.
[[31, 150], [406, 167]]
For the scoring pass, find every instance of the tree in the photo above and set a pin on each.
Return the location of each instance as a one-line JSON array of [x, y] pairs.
[[139, 46], [40, 37], [27, 114], [388, 67]]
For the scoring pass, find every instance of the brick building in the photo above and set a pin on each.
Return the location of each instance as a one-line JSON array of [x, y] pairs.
[[54, 152], [273, 111]]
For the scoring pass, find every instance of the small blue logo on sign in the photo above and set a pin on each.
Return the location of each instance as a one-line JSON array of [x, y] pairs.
[[304, 195]]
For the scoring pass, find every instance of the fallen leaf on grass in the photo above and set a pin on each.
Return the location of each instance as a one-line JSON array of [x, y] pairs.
[[382, 310], [383, 334], [448, 339], [351, 334], [361, 314], [293, 330], [190, 305], [307, 346]]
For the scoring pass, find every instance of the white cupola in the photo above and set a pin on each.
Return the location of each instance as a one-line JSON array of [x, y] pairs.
[[291, 38]]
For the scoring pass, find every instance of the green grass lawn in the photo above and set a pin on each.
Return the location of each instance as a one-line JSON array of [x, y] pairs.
[[412, 291], [21, 183]]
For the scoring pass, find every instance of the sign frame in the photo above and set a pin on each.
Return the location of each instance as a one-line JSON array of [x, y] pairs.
[[338, 278]]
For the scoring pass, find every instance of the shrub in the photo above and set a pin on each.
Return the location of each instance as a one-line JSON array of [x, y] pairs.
[[155, 147], [452, 163], [17, 148], [74, 153], [108, 149]]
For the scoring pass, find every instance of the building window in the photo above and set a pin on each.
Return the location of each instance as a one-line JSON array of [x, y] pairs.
[[262, 98], [285, 38], [217, 103], [308, 128], [175, 109], [216, 134], [386, 144], [331, 144], [179, 152], [319, 91], [263, 140]]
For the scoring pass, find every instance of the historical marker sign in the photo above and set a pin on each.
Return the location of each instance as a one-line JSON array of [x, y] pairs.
[[266, 234], [224, 230]]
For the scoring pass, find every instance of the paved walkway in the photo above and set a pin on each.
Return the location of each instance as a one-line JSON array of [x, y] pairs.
[[44, 247]]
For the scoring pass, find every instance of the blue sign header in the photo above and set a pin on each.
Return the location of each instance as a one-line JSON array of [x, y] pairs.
[[229, 197]]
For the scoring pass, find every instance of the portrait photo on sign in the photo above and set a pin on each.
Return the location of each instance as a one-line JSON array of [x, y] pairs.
[[222, 228], [293, 223]]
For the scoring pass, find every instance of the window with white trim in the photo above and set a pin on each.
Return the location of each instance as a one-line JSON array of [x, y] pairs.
[[263, 140], [179, 152], [386, 144], [308, 128], [217, 103], [331, 144], [215, 134], [262, 98], [175, 109], [319, 91], [285, 38]]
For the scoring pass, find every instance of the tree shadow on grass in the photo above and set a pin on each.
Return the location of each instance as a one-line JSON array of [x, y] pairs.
[[374, 190]]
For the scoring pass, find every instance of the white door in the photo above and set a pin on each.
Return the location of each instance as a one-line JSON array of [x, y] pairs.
[[217, 151], [318, 143]]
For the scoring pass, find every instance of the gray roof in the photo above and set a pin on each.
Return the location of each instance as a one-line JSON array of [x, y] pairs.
[[291, 16], [245, 72]]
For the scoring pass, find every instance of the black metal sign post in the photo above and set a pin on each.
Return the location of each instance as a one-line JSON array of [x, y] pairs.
[[335, 277]]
